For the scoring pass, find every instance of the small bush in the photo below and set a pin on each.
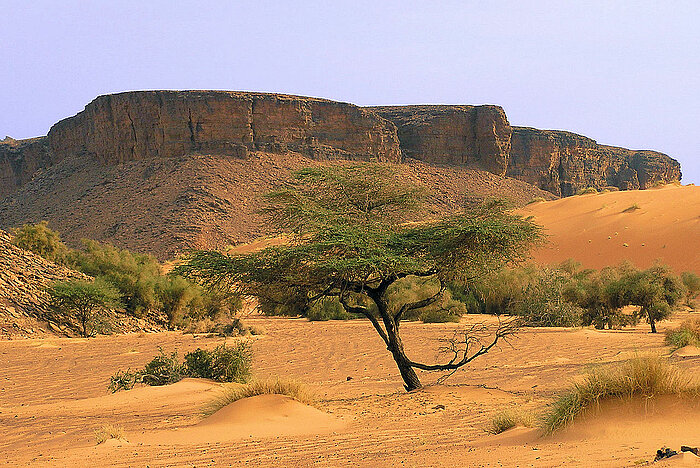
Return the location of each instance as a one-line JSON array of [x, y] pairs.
[[107, 432], [631, 208], [643, 376], [687, 334], [691, 282], [41, 240], [163, 370], [123, 380], [505, 420], [233, 393], [231, 363], [587, 190]]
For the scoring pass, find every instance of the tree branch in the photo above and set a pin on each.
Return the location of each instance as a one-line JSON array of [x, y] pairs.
[[422, 303], [362, 310], [460, 345]]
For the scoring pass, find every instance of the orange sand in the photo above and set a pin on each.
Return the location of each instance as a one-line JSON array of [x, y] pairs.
[[603, 229]]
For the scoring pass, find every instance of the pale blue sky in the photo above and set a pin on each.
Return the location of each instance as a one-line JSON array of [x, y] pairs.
[[625, 73]]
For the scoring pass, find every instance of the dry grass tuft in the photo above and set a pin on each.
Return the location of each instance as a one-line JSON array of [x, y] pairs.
[[631, 208], [107, 432], [687, 334], [236, 392], [641, 376], [508, 419]]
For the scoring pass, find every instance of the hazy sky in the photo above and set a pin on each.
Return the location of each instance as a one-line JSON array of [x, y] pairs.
[[625, 73]]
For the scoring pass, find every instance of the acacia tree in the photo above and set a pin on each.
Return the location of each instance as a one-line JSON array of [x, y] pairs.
[[85, 300], [350, 235], [656, 291]]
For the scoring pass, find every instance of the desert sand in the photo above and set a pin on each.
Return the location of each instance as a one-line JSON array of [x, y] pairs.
[[642, 226], [53, 396]]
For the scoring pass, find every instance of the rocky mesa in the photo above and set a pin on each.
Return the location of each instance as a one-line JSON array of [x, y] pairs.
[[139, 125]]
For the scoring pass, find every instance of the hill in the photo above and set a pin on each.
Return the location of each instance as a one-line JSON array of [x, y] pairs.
[[164, 206], [642, 226]]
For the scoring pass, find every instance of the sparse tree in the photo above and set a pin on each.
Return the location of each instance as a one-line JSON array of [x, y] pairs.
[[84, 300], [656, 291], [691, 281], [350, 237]]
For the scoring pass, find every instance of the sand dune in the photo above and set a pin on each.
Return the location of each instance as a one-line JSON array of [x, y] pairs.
[[640, 225]]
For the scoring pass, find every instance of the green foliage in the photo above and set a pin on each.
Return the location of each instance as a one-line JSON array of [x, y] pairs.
[[349, 235], [41, 240], [687, 334], [83, 300], [328, 308], [164, 369], [543, 303], [643, 376], [691, 282], [223, 364], [656, 291]]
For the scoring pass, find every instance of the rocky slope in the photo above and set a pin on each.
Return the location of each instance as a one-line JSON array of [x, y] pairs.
[[164, 206], [25, 309]]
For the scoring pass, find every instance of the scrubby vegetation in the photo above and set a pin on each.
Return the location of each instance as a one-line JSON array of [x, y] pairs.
[[108, 431], [691, 282], [232, 393], [222, 364], [86, 301], [642, 376], [586, 191], [509, 419], [535, 200], [139, 280], [687, 334]]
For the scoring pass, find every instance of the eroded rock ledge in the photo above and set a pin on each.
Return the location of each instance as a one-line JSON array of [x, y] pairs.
[[152, 124]]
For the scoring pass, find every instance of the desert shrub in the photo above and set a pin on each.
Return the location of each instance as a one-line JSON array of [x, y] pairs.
[[587, 190], [642, 376], [328, 308], [656, 291], [508, 419], [631, 208], [108, 431], [234, 393], [283, 303], [123, 380], [691, 282], [687, 334], [535, 200], [41, 240], [413, 288], [543, 304], [164, 369], [198, 363], [85, 301], [231, 363]]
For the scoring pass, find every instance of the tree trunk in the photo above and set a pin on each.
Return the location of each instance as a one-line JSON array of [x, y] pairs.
[[409, 376], [653, 326]]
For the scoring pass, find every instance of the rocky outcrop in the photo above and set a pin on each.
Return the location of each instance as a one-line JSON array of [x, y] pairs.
[[20, 160], [142, 125], [563, 163], [466, 135], [150, 124]]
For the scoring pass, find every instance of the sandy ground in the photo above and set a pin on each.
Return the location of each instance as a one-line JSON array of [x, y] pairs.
[[639, 225], [53, 397]]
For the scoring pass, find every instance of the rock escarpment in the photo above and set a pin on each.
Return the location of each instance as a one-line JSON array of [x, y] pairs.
[[472, 135], [148, 124], [563, 163], [141, 125]]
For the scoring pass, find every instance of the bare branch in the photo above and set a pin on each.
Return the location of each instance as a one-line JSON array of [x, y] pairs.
[[355, 309], [461, 346]]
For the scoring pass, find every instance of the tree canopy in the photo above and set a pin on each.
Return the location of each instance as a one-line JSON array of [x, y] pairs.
[[353, 231]]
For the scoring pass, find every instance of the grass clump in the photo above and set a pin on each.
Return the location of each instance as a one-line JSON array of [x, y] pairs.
[[508, 419], [631, 208], [641, 376], [234, 393], [687, 334], [108, 431]]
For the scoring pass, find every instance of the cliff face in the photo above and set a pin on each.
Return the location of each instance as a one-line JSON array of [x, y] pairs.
[[19, 160], [471, 135], [137, 125], [563, 162]]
